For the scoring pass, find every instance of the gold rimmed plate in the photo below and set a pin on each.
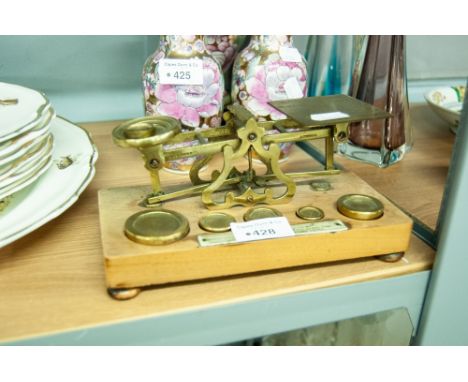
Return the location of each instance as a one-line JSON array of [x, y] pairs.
[[16, 147], [17, 182], [23, 115], [54, 190], [28, 160], [447, 103]]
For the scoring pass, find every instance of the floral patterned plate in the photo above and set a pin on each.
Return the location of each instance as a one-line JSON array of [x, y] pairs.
[[73, 159], [447, 103]]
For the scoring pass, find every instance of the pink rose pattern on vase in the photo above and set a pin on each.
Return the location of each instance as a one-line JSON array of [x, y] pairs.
[[260, 74], [267, 84], [196, 106]]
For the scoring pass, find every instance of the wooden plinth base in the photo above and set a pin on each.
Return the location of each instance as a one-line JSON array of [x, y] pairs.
[[129, 265]]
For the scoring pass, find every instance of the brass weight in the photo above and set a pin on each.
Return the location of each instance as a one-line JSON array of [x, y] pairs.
[[360, 207]]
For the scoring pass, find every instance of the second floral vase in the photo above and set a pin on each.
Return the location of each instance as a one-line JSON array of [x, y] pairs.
[[270, 68]]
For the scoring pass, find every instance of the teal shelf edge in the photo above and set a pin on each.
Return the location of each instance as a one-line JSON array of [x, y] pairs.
[[263, 316]]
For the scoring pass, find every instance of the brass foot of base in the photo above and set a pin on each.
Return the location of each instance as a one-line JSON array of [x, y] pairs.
[[123, 294], [391, 257]]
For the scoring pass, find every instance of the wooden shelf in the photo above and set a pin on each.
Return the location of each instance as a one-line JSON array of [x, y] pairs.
[[53, 279]]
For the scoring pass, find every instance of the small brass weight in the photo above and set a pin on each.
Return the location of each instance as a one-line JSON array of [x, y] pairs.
[[307, 119]]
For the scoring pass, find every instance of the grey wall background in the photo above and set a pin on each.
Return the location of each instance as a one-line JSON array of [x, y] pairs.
[[98, 77], [74, 63], [437, 57], [429, 57]]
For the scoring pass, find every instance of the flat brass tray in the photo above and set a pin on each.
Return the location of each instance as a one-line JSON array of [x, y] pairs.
[[335, 105]]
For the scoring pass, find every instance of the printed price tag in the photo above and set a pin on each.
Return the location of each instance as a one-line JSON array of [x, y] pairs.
[[328, 116], [292, 88], [290, 54], [180, 71], [262, 229]]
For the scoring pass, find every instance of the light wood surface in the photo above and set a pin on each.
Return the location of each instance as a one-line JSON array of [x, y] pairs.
[[129, 264], [53, 279], [416, 184]]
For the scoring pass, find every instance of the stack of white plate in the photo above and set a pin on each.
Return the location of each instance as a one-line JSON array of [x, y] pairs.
[[46, 162], [26, 143]]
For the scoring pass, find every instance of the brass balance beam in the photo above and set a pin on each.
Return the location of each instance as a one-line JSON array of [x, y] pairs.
[[307, 119]]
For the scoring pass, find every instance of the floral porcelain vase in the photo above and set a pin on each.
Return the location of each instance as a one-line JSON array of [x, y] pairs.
[[196, 105], [270, 68]]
